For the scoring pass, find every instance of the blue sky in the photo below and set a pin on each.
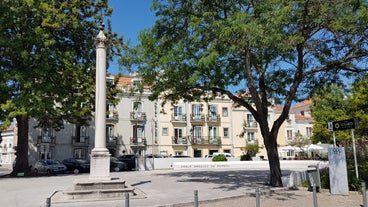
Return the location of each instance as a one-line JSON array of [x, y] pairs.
[[129, 18]]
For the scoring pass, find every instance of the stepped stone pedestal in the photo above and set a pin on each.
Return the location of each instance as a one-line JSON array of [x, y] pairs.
[[87, 189]]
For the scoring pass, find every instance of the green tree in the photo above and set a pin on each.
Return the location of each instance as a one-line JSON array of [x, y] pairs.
[[329, 104], [270, 49], [358, 102], [47, 59]]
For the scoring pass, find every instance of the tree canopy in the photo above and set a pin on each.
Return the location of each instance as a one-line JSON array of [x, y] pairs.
[[47, 63], [333, 103], [272, 50]]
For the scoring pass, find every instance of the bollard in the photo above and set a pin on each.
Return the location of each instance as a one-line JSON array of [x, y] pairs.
[[258, 203], [314, 196], [126, 199], [364, 194], [196, 198], [48, 202]]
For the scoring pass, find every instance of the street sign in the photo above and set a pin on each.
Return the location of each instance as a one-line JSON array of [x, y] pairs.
[[343, 125]]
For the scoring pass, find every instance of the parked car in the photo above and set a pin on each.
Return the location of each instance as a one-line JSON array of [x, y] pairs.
[[129, 159], [49, 167], [155, 156], [223, 153], [116, 165], [76, 165]]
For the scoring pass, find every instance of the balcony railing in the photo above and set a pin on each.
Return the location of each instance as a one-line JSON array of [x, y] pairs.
[[137, 116], [44, 140], [252, 142], [197, 118], [179, 140], [80, 141], [206, 140], [111, 141], [138, 141], [112, 118], [213, 118], [179, 118], [251, 124]]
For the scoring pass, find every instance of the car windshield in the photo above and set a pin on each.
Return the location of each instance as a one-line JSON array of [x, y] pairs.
[[52, 162]]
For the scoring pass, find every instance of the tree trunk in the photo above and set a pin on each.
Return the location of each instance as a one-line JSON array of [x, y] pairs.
[[22, 164], [273, 161]]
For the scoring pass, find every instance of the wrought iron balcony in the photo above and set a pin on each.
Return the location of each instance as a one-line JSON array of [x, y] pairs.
[[82, 141], [206, 140], [112, 118], [179, 140], [197, 118], [179, 118], [141, 141], [46, 140], [250, 124], [111, 141], [138, 116], [213, 118], [252, 142]]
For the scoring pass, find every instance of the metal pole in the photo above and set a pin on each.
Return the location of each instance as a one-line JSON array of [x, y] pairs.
[[334, 138], [258, 203], [126, 199], [314, 196], [355, 157], [48, 202], [364, 194], [196, 198]]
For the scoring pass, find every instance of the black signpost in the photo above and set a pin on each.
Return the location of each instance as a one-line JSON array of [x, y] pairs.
[[344, 125]]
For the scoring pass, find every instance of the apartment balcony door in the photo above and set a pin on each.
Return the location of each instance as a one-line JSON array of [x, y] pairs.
[[197, 134], [212, 112], [137, 109], [197, 111], [137, 133], [213, 135], [178, 113], [178, 133]]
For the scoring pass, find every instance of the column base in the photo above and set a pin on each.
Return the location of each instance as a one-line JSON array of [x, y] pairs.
[[100, 164]]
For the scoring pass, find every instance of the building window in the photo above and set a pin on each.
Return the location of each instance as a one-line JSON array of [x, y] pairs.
[[165, 131], [81, 134], [178, 113], [309, 132], [225, 112], [110, 133], [137, 109], [289, 134], [251, 136], [212, 110], [197, 111], [80, 153], [226, 132]]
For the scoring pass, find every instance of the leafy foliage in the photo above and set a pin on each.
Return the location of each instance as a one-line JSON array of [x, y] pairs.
[[47, 58], [274, 51], [329, 105], [219, 158]]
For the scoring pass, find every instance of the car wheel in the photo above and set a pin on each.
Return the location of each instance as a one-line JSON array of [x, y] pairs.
[[36, 171], [116, 169], [76, 171], [48, 172]]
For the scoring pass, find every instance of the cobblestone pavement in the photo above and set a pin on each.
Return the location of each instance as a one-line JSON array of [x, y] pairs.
[[174, 188]]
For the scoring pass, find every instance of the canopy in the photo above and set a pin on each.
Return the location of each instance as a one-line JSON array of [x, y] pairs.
[[313, 147]]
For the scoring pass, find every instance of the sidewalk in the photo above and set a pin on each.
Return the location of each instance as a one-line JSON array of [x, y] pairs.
[[175, 188]]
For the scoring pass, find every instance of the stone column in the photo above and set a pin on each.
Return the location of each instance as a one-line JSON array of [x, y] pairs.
[[100, 156]]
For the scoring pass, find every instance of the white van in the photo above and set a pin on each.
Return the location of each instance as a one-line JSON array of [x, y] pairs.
[[223, 153]]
